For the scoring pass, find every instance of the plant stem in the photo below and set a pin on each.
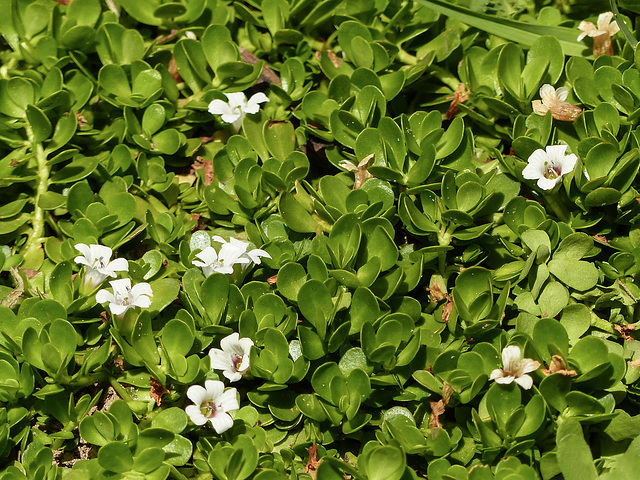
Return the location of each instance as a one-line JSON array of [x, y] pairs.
[[120, 390], [406, 58], [34, 242]]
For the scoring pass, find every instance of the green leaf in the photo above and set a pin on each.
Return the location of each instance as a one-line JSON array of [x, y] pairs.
[[574, 457], [579, 275], [279, 138], [115, 457], [40, 123], [315, 304]]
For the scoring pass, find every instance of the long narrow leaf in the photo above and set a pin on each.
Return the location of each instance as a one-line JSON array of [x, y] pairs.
[[520, 32], [623, 26]]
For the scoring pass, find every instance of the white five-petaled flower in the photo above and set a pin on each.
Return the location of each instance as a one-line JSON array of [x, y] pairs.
[[125, 296], [602, 33], [212, 403], [253, 255], [515, 368], [606, 26], [233, 359], [98, 267], [556, 101], [221, 262], [547, 167], [237, 107]]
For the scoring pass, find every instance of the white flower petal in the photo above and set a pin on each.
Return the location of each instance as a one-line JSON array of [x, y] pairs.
[[221, 422], [142, 288], [233, 117], [510, 357], [220, 360], [229, 400], [562, 93], [219, 107], [195, 415], [245, 345], [237, 99], [547, 183], [214, 388], [104, 296], [229, 342], [232, 375], [197, 394], [525, 381], [548, 94], [528, 365], [505, 380], [568, 164], [118, 309]]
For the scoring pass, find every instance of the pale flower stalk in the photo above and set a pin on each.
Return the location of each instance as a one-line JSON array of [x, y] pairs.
[[515, 368], [212, 404], [233, 358], [236, 108], [221, 262], [252, 255], [555, 100], [602, 33], [125, 296], [96, 259], [549, 165]]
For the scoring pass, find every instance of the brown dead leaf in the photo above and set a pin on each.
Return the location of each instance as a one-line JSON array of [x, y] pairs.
[[118, 362], [267, 75], [173, 70], [437, 295], [438, 408], [207, 166], [559, 366], [273, 279], [459, 96], [312, 464], [82, 122], [360, 171], [624, 331], [635, 363], [601, 239], [157, 390]]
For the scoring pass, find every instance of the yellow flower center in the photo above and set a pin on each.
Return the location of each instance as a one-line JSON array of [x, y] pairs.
[[552, 171], [208, 409]]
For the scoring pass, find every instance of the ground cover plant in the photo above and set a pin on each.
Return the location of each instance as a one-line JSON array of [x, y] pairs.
[[289, 239]]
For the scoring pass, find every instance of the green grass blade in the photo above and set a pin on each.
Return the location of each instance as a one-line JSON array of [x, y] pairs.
[[519, 32]]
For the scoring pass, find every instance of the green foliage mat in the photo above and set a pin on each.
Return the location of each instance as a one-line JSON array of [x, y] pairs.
[[293, 239]]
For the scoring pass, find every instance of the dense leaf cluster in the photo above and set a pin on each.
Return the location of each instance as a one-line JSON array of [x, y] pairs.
[[384, 180]]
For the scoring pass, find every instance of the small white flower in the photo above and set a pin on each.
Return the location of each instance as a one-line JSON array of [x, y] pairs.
[[212, 403], [124, 296], [252, 255], [237, 107], [98, 267], [221, 262], [515, 368], [606, 26], [547, 167], [233, 359], [555, 100]]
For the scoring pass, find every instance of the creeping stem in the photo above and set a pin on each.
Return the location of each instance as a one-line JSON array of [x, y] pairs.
[[37, 235]]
